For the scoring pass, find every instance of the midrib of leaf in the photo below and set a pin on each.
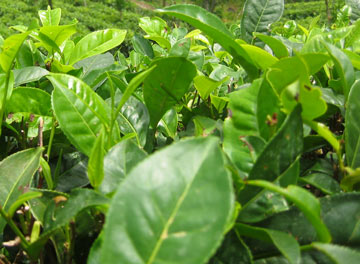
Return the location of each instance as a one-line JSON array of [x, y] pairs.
[[17, 181], [132, 127], [76, 110], [88, 106], [258, 22], [170, 220]]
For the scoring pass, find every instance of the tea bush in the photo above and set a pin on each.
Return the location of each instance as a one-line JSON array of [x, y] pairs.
[[196, 147]]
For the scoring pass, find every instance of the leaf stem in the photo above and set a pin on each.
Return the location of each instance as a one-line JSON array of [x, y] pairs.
[[24, 243]]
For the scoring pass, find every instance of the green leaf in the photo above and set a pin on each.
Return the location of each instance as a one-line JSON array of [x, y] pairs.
[[10, 49], [280, 152], [305, 201], [119, 162], [50, 17], [352, 127], [215, 28], [163, 91], [79, 199], [206, 85], [338, 254], [343, 68], [96, 161], [353, 35], [133, 118], [169, 123], [97, 42], [262, 59], [323, 182], [28, 74], [142, 45], [52, 37], [154, 26], [354, 58], [30, 100], [16, 172], [159, 195], [258, 15], [47, 173], [79, 110], [285, 243], [276, 45], [22, 199], [181, 48]]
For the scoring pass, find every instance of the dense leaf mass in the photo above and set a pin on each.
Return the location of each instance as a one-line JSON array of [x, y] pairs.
[[200, 144]]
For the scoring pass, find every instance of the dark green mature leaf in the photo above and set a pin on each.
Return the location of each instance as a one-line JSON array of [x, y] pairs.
[[162, 91], [338, 254], [96, 43], [156, 200], [30, 100], [169, 123], [281, 151], [333, 211], [323, 182], [119, 161], [285, 243], [215, 28], [305, 201], [258, 15], [352, 127], [79, 110], [142, 45], [79, 199], [16, 172], [232, 251], [343, 68], [28, 74]]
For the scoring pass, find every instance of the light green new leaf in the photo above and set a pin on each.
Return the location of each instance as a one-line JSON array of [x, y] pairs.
[[276, 45], [206, 85], [258, 15], [260, 57], [352, 127], [96, 161], [28, 74], [119, 161], [16, 172], [10, 49], [215, 28], [97, 42], [47, 173], [30, 100], [50, 17], [162, 91], [338, 254], [156, 200], [305, 201], [22, 199], [80, 111], [52, 37], [354, 58], [285, 243], [169, 123]]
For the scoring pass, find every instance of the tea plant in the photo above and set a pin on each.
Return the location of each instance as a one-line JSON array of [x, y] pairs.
[[196, 148]]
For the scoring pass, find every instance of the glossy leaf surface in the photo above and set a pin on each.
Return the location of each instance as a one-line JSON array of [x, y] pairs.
[[79, 110], [161, 92], [162, 230], [97, 42], [16, 172], [258, 15]]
